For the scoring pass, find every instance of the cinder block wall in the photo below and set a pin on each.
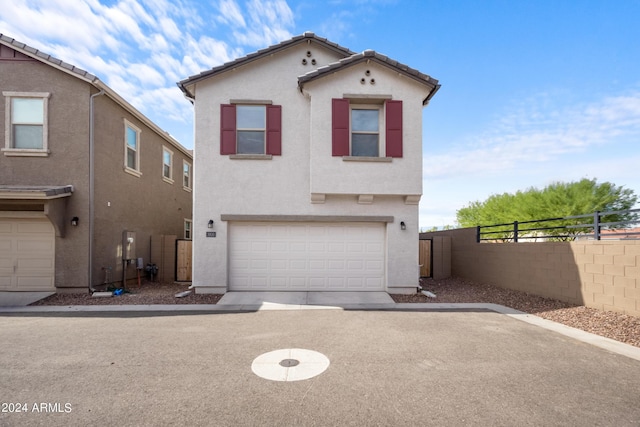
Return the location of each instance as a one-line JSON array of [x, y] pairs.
[[599, 274]]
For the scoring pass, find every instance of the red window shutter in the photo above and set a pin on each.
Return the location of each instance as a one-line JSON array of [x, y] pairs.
[[274, 130], [393, 122], [340, 127], [227, 129]]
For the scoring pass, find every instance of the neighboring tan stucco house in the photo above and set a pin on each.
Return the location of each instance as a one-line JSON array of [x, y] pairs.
[[308, 170], [79, 166]]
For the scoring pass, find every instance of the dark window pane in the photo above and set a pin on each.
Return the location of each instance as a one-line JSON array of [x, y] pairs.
[[250, 142], [364, 120], [27, 136], [364, 145], [131, 159]]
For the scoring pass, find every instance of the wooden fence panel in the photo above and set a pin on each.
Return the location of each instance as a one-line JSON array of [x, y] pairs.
[[425, 258], [184, 254]]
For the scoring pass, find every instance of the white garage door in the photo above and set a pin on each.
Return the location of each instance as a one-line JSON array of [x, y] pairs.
[[27, 255], [306, 256]]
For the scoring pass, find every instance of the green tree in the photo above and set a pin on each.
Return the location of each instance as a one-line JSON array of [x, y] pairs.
[[557, 200]]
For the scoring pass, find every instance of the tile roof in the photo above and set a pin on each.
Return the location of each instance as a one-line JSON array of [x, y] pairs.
[[349, 58], [47, 58]]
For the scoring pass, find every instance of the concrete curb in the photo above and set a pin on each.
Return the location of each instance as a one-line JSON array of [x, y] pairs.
[[586, 337]]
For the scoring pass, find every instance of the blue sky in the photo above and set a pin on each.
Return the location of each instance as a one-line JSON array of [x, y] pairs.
[[532, 91]]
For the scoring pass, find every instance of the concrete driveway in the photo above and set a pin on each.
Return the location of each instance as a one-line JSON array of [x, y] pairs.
[[392, 367]]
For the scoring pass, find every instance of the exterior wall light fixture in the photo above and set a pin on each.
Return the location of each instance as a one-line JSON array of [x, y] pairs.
[[74, 221], [403, 226], [210, 224]]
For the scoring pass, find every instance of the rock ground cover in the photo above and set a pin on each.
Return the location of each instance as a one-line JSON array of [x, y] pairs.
[[612, 325]]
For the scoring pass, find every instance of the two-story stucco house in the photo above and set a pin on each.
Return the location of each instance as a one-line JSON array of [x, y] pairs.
[[308, 170], [79, 167]]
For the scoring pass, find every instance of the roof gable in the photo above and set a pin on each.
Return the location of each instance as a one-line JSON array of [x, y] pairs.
[[370, 55], [307, 37]]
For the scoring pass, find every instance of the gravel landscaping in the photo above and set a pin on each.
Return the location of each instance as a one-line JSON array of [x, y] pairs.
[[612, 325]]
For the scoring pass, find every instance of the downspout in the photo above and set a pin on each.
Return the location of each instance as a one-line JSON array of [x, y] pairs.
[[91, 185]]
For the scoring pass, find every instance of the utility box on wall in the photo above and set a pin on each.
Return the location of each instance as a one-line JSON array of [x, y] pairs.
[[128, 245]]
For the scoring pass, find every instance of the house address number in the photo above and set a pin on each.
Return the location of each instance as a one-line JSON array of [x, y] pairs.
[[211, 234]]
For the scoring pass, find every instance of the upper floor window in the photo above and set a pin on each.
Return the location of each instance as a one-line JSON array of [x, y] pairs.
[[186, 175], [26, 123], [131, 148], [187, 228], [167, 165], [365, 132], [251, 128], [366, 129]]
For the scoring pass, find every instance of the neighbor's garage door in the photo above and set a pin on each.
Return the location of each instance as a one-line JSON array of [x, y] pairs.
[[306, 256], [27, 255]]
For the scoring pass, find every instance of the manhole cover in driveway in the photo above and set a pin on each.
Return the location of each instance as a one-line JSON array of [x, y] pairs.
[[290, 364]]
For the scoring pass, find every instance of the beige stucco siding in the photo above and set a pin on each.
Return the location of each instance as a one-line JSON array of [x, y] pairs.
[[146, 204], [67, 163]]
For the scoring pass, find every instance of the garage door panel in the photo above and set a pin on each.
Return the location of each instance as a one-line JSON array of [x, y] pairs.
[[296, 283], [278, 264], [5, 279], [34, 263], [299, 256], [34, 246], [298, 264], [27, 254], [275, 247]]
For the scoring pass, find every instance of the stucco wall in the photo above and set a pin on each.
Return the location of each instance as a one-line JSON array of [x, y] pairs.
[[599, 274], [67, 164], [146, 204], [283, 185], [403, 176]]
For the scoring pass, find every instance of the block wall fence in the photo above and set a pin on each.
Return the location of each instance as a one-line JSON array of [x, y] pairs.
[[601, 274]]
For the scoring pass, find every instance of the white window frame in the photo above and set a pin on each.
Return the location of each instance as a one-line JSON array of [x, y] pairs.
[[188, 176], [8, 149], [188, 229], [263, 130], [166, 178], [380, 133], [133, 171]]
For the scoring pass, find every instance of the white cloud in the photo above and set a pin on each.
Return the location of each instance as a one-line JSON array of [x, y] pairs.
[[532, 134], [535, 144], [230, 14], [146, 75], [141, 48], [269, 23]]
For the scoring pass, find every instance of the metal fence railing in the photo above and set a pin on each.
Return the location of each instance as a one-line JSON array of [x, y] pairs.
[[597, 226]]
